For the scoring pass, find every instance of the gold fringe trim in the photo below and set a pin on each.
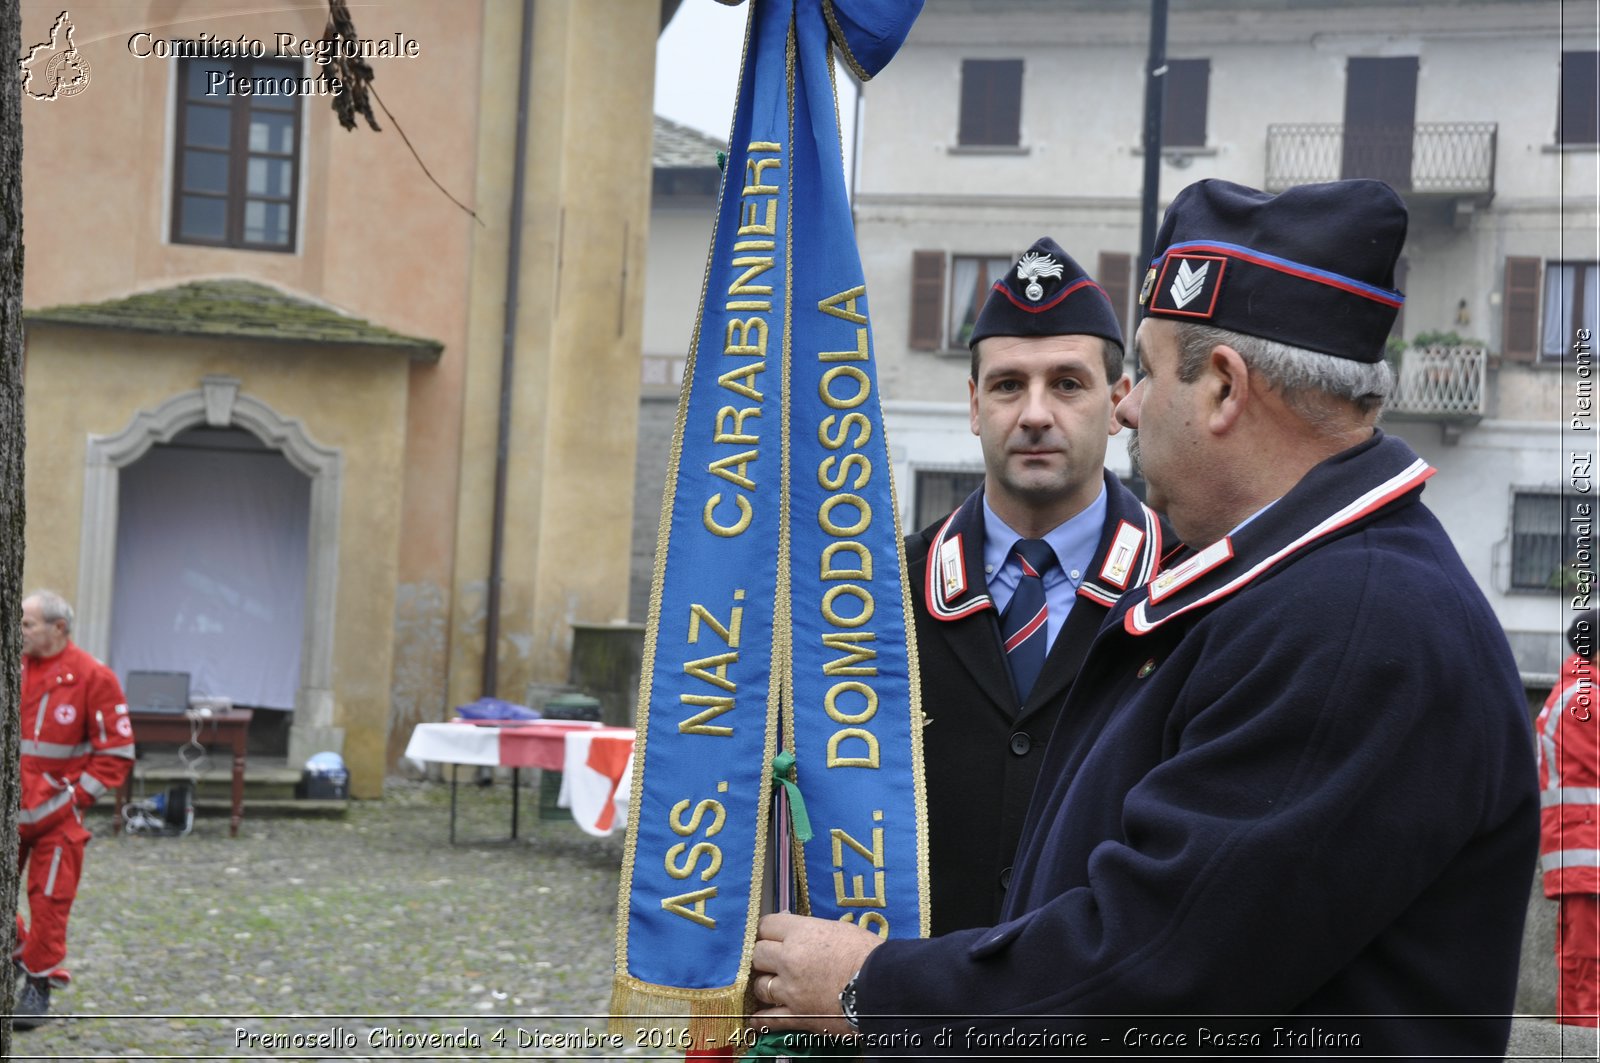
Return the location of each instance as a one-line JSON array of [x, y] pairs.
[[711, 1018]]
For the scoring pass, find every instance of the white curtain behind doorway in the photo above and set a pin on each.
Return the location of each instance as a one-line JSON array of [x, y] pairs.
[[211, 567]]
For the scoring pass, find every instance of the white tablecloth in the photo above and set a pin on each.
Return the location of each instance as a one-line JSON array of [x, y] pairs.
[[468, 743], [585, 789], [453, 743]]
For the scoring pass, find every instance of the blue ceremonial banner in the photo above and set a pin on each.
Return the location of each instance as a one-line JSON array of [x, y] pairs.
[[779, 615], [855, 726]]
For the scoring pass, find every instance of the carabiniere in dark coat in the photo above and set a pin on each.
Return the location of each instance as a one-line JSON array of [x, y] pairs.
[[981, 749]]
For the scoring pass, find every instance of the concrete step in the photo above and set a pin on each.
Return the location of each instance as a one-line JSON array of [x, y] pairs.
[[270, 807], [269, 788]]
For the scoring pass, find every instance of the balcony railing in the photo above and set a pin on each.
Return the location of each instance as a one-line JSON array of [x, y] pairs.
[[1441, 383], [1438, 158]]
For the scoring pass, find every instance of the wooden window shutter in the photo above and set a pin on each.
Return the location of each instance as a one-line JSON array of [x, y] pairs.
[[1578, 119], [927, 301], [1402, 272], [1520, 316], [991, 102], [1183, 114], [1115, 273]]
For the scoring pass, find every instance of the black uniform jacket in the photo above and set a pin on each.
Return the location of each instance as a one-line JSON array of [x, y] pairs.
[[981, 749], [1294, 780]]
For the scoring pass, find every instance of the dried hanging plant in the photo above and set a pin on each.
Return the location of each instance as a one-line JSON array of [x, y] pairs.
[[355, 72]]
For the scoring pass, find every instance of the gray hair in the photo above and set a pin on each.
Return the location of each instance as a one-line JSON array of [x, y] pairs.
[[52, 607], [1310, 382]]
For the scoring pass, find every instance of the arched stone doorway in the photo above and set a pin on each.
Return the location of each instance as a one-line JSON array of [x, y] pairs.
[[218, 403]]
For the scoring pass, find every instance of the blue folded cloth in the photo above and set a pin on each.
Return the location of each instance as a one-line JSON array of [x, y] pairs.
[[495, 709]]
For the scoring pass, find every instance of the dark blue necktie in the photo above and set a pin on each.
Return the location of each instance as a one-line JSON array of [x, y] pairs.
[[1024, 627]]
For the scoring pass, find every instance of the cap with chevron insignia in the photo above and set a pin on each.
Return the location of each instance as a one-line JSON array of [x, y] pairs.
[[1312, 267]]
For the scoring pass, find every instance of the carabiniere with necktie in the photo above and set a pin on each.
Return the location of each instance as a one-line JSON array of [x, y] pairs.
[[1024, 626]]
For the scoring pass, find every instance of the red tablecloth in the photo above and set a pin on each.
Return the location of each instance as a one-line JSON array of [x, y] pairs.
[[540, 744]]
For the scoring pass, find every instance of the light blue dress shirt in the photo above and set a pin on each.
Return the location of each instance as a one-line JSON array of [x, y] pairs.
[[1074, 543], [1240, 526]]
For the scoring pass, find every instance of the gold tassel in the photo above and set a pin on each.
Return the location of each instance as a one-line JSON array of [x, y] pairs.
[[714, 1018]]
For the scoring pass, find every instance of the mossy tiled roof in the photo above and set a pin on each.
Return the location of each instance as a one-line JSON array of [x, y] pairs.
[[677, 147], [235, 309]]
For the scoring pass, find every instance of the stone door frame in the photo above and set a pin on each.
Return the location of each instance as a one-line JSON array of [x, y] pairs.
[[218, 403]]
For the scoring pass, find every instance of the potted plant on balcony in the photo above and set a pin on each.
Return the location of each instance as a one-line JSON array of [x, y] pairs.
[[1443, 339], [1394, 352], [1437, 364], [1437, 373]]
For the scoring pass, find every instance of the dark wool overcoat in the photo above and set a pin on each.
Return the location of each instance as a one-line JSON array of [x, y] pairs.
[[981, 748], [1294, 779]]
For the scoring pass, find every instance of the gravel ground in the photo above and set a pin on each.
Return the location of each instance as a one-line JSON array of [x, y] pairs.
[[366, 929], [369, 932]]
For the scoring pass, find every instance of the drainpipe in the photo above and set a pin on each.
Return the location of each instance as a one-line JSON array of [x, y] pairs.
[[508, 345]]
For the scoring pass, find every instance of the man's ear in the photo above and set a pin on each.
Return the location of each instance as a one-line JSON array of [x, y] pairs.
[[1119, 391], [972, 402], [1228, 388]]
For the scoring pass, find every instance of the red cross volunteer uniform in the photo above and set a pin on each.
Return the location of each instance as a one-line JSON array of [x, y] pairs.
[[76, 744], [1569, 834]]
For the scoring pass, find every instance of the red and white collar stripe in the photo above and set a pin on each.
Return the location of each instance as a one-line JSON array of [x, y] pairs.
[[933, 583], [953, 606], [1148, 557], [1137, 621]]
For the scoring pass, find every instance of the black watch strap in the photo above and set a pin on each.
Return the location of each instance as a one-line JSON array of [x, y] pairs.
[[847, 1003]]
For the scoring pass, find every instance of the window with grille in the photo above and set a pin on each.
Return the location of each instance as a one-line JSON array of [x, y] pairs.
[[991, 103], [236, 175], [939, 492], [1542, 538]]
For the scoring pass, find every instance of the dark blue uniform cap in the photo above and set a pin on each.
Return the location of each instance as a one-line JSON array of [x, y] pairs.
[[1046, 293], [1312, 267]]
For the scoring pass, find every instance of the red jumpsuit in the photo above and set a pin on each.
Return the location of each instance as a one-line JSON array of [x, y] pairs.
[[1569, 836], [77, 743]]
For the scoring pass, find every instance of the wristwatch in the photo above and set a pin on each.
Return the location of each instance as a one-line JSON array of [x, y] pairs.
[[847, 1003]]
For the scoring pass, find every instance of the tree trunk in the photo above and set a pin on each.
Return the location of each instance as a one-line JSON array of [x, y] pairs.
[[11, 498]]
